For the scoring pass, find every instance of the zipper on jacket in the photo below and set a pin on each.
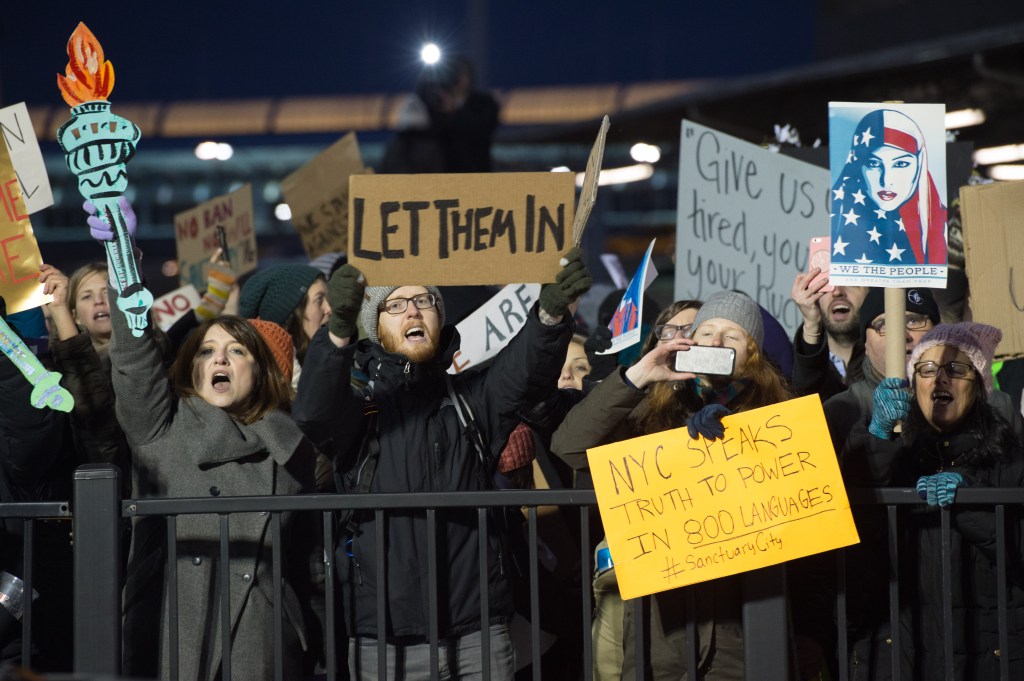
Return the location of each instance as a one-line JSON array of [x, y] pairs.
[[408, 368], [359, 572]]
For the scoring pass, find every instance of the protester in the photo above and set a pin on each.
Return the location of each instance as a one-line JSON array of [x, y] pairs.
[[446, 126], [35, 465], [215, 426], [292, 296], [953, 438], [827, 350], [403, 434], [849, 415], [87, 303], [650, 397]]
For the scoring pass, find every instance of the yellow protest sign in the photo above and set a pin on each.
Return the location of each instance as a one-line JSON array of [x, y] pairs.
[[460, 229], [19, 252], [678, 511]]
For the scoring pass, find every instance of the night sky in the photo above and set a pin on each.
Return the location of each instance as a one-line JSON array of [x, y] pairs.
[[212, 50]]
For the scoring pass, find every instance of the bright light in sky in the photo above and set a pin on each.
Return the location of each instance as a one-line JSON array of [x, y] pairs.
[[430, 54], [282, 212]]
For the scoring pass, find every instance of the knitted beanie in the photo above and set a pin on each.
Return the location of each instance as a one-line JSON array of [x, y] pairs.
[[328, 262], [977, 341], [375, 296], [919, 300], [273, 293], [280, 343], [738, 308]]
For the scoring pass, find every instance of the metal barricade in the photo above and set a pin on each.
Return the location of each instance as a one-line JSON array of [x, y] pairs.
[[767, 636], [30, 513]]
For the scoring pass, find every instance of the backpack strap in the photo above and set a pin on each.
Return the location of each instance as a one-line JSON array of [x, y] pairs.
[[369, 455], [468, 422]]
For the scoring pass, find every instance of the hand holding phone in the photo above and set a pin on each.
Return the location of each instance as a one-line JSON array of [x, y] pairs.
[[704, 359], [222, 239]]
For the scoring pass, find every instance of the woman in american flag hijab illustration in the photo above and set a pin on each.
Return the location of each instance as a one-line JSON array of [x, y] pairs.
[[886, 209]]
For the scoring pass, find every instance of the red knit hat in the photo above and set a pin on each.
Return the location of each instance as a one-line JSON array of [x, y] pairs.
[[280, 343]]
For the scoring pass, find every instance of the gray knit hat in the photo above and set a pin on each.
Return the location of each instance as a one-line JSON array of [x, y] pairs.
[[273, 293], [977, 341], [375, 297], [737, 308]]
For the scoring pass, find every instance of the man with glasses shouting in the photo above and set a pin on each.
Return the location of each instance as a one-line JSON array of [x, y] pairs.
[[415, 429]]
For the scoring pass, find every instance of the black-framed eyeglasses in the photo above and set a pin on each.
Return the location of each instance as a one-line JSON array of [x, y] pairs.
[[952, 369], [913, 322], [424, 301], [667, 332]]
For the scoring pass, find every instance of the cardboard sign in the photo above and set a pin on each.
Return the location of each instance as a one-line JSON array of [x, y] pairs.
[[591, 178], [19, 252], [460, 229], [745, 218], [678, 511], [196, 237], [23, 148], [629, 314], [994, 249], [888, 194], [485, 332], [170, 307], [317, 194]]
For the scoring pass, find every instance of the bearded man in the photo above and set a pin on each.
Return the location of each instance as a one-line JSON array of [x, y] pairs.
[[828, 348], [403, 434]]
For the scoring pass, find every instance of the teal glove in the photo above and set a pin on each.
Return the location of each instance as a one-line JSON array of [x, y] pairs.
[[939, 489], [345, 293], [571, 283], [891, 404], [707, 422]]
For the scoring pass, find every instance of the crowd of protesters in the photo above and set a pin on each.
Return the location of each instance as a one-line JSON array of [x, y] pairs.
[[373, 410], [305, 379]]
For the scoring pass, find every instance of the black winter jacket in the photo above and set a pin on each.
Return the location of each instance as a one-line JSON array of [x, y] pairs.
[[422, 449]]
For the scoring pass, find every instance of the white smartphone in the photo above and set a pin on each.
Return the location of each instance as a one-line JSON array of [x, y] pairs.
[[704, 359]]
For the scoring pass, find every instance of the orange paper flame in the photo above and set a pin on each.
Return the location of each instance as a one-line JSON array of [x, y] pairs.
[[88, 76]]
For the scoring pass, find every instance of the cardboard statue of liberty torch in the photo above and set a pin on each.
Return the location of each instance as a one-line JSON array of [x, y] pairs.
[[97, 145]]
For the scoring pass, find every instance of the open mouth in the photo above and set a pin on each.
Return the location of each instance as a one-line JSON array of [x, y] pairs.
[[415, 334], [886, 195], [840, 310], [942, 397], [221, 382], [101, 315]]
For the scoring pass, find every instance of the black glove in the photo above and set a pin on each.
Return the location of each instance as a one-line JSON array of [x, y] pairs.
[[707, 422], [599, 341], [600, 365], [571, 283], [345, 292]]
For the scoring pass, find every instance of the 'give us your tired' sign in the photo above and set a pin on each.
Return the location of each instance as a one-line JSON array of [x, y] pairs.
[[678, 511], [489, 228]]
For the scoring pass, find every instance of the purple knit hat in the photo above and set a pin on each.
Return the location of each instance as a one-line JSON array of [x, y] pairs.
[[977, 341]]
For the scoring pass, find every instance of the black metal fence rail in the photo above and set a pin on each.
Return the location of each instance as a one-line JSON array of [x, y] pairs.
[[97, 520], [29, 513]]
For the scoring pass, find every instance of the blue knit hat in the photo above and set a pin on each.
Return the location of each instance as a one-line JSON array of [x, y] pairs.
[[273, 293]]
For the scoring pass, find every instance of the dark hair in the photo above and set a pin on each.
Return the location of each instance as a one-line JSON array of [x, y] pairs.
[[669, 404], [663, 317], [270, 390], [294, 324], [994, 436]]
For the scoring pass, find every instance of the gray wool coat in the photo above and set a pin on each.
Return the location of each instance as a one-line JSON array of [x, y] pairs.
[[186, 447]]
